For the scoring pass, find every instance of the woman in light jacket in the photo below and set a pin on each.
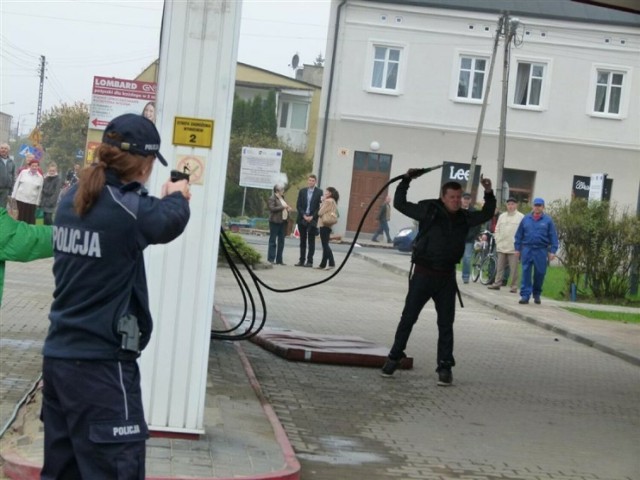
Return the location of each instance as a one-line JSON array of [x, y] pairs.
[[278, 216], [27, 191], [327, 217]]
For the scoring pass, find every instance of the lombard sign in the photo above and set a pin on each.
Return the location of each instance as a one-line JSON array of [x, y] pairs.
[[582, 186], [112, 97], [459, 172]]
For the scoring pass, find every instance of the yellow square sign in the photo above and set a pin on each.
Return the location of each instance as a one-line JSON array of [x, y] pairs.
[[193, 132]]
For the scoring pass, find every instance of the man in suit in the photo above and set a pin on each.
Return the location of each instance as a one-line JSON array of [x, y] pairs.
[[308, 205]]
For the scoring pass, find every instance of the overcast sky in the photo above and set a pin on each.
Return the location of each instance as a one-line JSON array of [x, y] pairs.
[[81, 39]]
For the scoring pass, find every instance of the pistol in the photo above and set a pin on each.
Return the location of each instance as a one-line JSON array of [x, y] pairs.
[[130, 333], [177, 175]]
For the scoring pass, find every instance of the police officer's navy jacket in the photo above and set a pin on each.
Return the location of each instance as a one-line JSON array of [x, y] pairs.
[[439, 244], [99, 268]]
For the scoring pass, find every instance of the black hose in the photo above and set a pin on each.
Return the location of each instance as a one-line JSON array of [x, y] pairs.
[[248, 333]]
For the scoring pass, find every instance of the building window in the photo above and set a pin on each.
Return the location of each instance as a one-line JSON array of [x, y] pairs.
[[608, 91], [372, 162], [529, 80], [471, 77], [294, 115], [386, 68]]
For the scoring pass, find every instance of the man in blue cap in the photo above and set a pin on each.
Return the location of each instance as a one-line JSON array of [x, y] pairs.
[[536, 244]]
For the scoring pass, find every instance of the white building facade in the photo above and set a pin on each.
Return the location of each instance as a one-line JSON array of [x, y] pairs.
[[404, 86]]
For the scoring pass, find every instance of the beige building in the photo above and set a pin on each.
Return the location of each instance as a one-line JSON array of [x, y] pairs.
[[298, 102]]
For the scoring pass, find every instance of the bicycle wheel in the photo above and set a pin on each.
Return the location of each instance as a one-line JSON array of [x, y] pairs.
[[476, 261], [488, 270]]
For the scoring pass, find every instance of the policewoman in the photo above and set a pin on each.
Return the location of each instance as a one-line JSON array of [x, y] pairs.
[[94, 426]]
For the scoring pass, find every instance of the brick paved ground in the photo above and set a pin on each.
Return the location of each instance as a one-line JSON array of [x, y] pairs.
[[527, 403], [23, 326]]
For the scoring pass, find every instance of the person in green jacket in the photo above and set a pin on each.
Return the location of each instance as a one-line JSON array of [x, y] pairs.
[[21, 242]]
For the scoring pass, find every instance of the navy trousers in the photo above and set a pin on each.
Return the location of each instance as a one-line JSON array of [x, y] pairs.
[[276, 242], [308, 234], [423, 287], [94, 427]]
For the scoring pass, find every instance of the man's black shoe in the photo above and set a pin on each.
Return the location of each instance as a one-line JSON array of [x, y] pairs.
[[536, 300], [308, 265], [445, 378], [299, 264], [523, 301], [390, 366]]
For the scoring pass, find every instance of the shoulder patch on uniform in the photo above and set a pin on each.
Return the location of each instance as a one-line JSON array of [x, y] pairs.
[[129, 201]]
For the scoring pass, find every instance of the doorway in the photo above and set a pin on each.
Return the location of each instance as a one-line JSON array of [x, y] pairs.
[[370, 172]]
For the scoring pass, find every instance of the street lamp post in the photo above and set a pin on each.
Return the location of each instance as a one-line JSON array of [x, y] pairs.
[[20, 118]]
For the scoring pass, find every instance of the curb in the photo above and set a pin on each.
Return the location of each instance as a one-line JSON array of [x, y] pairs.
[[576, 337], [15, 466], [291, 471]]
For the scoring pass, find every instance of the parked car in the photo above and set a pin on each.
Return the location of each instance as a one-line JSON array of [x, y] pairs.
[[403, 241]]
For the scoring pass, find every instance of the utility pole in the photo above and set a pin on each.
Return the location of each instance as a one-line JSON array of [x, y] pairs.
[[485, 98], [510, 26], [42, 64]]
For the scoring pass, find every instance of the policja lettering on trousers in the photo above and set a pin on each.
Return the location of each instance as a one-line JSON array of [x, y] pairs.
[[128, 430]]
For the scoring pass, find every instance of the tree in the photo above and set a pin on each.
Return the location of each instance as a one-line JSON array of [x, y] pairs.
[[319, 61], [64, 132], [254, 124]]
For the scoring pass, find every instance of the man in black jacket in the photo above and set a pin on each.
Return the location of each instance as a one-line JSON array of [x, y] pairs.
[[438, 247]]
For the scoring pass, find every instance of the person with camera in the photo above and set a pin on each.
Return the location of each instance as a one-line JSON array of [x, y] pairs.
[[94, 425], [438, 247]]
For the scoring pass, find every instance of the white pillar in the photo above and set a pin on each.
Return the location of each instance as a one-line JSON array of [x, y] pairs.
[[196, 80]]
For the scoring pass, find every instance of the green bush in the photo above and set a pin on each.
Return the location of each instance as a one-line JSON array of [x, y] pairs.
[[246, 251], [597, 244]]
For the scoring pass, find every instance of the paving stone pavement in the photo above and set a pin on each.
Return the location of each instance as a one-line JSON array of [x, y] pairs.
[[528, 403], [242, 435]]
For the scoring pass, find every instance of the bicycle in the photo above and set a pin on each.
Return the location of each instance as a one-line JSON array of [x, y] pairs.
[[483, 261]]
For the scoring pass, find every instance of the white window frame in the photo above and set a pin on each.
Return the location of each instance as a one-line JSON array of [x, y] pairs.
[[371, 61], [624, 94], [545, 87], [290, 103], [455, 76]]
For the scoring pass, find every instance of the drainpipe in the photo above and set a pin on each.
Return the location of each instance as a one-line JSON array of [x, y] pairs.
[[329, 90]]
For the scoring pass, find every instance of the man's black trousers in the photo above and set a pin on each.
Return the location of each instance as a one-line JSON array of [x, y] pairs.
[[422, 287]]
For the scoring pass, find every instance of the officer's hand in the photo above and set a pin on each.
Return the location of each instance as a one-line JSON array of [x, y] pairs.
[[485, 182], [181, 186]]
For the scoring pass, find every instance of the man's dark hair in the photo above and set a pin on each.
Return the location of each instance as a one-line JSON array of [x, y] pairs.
[[312, 175], [449, 186]]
